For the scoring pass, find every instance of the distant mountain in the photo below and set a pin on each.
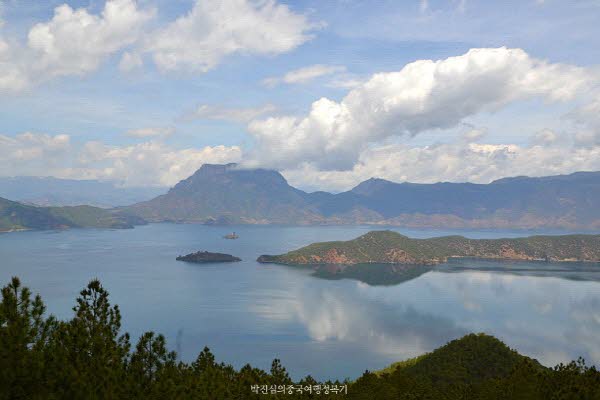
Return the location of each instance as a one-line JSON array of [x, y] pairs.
[[388, 247], [568, 201], [229, 194], [48, 191], [16, 216]]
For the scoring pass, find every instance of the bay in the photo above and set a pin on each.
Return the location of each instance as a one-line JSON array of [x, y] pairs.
[[248, 312]]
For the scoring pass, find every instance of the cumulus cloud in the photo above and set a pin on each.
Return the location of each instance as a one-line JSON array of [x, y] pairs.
[[153, 163], [150, 163], [213, 29], [73, 42], [303, 75], [424, 95], [454, 162], [206, 111]]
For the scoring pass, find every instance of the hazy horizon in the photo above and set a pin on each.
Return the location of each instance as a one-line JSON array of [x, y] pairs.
[[144, 92]]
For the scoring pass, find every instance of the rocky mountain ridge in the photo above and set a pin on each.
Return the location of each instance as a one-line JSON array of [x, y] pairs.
[[229, 194]]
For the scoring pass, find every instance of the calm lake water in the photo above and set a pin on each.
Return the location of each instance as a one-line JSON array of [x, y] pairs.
[[251, 313]]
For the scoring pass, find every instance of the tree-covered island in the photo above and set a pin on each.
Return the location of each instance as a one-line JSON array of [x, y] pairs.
[[388, 247]]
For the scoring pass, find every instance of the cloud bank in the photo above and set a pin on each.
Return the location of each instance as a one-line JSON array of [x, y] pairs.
[[424, 95], [454, 162], [151, 163], [76, 42]]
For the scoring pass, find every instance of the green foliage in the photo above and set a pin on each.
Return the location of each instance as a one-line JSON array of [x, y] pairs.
[[24, 338], [87, 357], [392, 247]]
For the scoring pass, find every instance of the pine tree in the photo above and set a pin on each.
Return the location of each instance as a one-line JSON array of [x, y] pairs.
[[24, 334]]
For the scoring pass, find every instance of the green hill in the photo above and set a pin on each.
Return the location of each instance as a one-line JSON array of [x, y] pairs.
[[472, 358], [388, 247], [17, 216], [477, 366]]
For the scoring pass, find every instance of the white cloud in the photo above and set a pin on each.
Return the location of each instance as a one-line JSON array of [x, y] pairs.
[[243, 115], [303, 75], [588, 119], [150, 132], [130, 61], [156, 163], [213, 29], [473, 134], [32, 154], [13, 75], [424, 95], [149, 163], [545, 137], [73, 42], [145, 164], [454, 162]]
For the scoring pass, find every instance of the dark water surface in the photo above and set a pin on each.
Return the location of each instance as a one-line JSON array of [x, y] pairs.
[[251, 313]]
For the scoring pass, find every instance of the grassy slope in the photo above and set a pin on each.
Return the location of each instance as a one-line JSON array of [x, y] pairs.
[[374, 246]]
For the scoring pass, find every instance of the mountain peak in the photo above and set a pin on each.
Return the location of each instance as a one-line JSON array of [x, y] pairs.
[[214, 169], [241, 195], [369, 186], [232, 172]]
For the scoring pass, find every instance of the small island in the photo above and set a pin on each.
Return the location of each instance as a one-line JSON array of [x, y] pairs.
[[388, 247], [203, 257]]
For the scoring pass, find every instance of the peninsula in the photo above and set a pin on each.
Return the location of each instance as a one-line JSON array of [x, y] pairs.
[[388, 247], [203, 257], [15, 216]]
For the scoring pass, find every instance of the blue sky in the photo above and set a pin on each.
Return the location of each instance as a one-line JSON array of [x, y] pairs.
[[73, 110]]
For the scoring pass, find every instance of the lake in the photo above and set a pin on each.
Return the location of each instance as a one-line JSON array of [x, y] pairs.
[[251, 313]]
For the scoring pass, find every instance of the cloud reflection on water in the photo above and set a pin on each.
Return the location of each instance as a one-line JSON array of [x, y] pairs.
[[542, 313]]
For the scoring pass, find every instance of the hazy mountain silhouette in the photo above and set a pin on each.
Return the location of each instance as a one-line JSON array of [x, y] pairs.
[[230, 194]]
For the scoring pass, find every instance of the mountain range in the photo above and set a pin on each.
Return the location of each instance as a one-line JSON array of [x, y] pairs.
[[50, 191], [229, 194]]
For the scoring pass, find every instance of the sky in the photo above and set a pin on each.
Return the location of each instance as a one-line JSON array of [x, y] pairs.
[[330, 93]]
